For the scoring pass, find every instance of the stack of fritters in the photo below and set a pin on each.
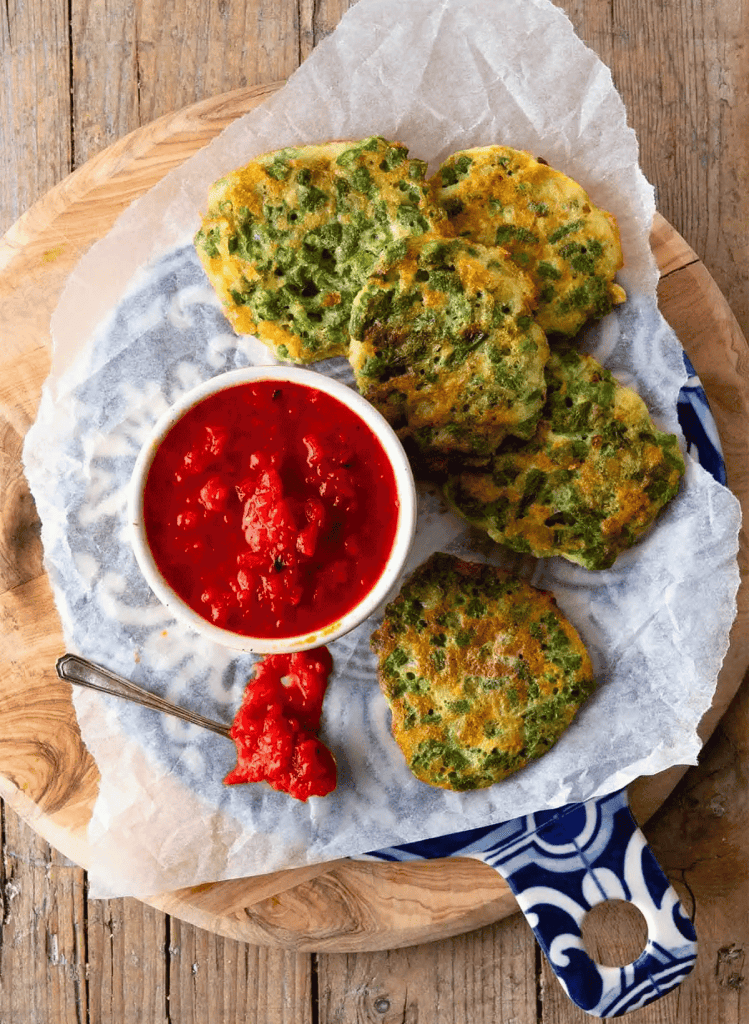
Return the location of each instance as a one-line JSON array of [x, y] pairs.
[[481, 671], [442, 294], [589, 482], [547, 223], [289, 240], [445, 346]]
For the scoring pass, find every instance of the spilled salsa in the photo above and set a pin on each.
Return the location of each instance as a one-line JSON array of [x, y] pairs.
[[271, 509], [275, 729]]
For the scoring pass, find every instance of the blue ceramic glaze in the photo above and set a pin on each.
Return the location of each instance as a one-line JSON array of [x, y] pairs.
[[698, 426], [561, 863]]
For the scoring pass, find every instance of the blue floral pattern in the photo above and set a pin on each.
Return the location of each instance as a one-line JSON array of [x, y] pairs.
[[698, 425], [560, 864]]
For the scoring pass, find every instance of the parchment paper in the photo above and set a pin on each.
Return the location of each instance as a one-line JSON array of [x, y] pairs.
[[138, 324]]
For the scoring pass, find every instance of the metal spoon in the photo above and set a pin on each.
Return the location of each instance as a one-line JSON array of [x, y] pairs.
[[85, 673]]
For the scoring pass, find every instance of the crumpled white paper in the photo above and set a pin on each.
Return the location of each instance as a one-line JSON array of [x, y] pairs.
[[138, 324]]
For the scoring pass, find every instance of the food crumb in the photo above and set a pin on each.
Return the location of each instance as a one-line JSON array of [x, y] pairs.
[[50, 255]]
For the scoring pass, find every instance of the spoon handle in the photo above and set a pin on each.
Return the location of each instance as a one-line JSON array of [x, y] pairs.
[[84, 672]]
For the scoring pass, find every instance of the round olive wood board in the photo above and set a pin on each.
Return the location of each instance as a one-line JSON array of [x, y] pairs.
[[47, 775]]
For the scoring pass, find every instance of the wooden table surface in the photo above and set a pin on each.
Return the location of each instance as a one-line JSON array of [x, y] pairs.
[[78, 75]]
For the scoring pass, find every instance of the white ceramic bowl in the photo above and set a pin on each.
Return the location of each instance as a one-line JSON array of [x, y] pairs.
[[404, 533]]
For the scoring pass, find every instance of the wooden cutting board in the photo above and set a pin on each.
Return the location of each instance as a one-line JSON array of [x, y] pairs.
[[46, 774]]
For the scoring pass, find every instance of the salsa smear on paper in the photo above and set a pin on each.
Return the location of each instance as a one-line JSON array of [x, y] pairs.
[[271, 509], [275, 729]]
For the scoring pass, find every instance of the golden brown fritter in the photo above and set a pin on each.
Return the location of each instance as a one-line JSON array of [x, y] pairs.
[[445, 346], [289, 239], [481, 671], [546, 221], [588, 484]]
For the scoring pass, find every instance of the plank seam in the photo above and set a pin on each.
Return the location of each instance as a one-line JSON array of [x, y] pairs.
[[167, 968], [71, 84], [314, 989], [298, 32], [539, 965], [86, 976], [138, 72], [4, 900]]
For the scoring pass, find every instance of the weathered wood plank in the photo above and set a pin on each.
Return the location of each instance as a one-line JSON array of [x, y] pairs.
[[43, 934], [35, 142], [126, 969], [216, 979], [479, 978], [104, 74], [614, 933], [323, 17], [188, 49]]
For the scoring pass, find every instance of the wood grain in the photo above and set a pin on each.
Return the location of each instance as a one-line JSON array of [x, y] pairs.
[[447, 980], [35, 137], [44, 903], [228, 45], [105, 75], [260, 986], [123, 983]]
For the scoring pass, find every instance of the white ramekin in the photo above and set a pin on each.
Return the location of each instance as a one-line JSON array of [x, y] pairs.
[[404, 534]]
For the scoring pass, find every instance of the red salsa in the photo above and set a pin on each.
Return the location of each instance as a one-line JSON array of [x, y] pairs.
[[271, 509], [275, 729]]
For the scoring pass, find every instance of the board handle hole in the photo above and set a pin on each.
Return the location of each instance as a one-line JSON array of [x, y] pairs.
[[614, 933]]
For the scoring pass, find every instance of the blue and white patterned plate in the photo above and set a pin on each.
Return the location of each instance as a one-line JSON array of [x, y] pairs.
[[697, 422], [561, 863]]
